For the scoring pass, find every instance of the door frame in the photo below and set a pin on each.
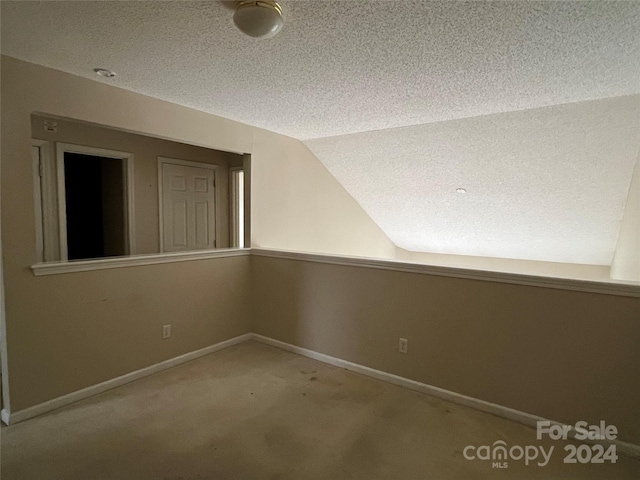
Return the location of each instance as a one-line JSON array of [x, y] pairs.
[[46, 205], [234, 227], [127, 177], [37, 164], [186, 163]]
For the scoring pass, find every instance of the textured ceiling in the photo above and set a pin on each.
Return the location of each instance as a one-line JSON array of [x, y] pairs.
[[547, 184], [544, 183], [346, 66]]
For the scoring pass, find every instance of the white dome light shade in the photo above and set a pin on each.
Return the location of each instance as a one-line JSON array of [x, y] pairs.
[[259, 19]]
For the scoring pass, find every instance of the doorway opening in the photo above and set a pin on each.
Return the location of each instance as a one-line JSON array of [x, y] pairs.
[[95, 202], [96, 219]]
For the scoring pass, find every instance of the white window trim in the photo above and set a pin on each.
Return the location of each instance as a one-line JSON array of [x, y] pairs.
[[61, 149], [186, 163]]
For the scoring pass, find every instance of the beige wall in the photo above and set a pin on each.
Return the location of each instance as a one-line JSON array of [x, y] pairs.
[[146, 151], [298, 205], [559, 354], [66, 332], [556, 353], [509, 265], [626, 260]]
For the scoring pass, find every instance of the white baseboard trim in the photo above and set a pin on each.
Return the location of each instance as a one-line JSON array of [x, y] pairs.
[[524, 418], [10, 418]]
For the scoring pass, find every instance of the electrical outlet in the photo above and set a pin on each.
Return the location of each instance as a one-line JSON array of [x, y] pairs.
[[403, 345], [166, 331]]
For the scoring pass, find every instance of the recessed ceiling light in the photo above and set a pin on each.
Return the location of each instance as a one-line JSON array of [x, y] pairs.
[[103, 72], [461, 190]]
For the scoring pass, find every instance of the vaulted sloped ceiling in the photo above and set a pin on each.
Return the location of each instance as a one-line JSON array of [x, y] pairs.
[[546, 184], [530, 106]]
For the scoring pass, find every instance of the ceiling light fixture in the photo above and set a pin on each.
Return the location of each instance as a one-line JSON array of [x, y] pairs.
[[103, 72], [258, 19], [461, 190]]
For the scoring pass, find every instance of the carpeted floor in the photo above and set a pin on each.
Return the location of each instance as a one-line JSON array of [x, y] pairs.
[[255, 412]]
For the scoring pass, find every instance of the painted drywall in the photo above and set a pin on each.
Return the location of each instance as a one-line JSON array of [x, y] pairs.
[[298, 205], [508, 265], [556, 353], [146, 151], [66, 332], [342, 67], [546, 184], [559, 354], [626, 260]]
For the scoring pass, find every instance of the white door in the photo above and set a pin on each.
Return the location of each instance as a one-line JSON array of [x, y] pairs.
[[188, 208]]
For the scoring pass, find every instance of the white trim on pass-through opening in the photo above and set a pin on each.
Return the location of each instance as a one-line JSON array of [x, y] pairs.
[[606, 288], [54, 268], [236, 210], [609, 288], [38, 158], [46, 213]]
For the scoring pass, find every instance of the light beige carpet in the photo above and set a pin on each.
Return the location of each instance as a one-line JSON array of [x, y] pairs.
[[255, 412]]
